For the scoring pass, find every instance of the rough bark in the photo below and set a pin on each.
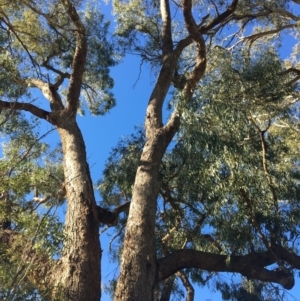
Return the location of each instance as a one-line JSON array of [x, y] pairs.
[[138, 267], [79, 266]]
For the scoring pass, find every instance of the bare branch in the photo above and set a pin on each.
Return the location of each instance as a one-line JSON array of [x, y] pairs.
[[251, 16], [199, 42], [61, 77], [282, 12], [221, 18], [291, 70]]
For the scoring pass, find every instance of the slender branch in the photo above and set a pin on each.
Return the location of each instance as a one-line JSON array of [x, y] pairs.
[[291, 70], [188, 286], [251, 16], [61, 77], [215, 6], [115, 236], [254, 37], [282, 12]]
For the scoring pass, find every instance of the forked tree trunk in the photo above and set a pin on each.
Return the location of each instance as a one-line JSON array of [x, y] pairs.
[[79, 267]]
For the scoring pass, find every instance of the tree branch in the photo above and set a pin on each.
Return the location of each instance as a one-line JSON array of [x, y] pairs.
[[251, 265], [61, 75], [26, 107], [188, 286], [50, 92], [220, 18], [206, 28], [286, 255], [199, 42], [79, 59], [166, 27], [111, 218], [254, 37], [282, 12]]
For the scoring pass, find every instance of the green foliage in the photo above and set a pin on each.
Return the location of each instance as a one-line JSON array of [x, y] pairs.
[[38, 40], [30, 228]]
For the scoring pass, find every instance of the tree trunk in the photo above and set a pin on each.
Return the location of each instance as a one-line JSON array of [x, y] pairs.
[[79, 267], [138, 267]]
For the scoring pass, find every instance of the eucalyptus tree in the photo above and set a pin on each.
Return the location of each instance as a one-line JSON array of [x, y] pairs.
[[44, 50], [233, 113]]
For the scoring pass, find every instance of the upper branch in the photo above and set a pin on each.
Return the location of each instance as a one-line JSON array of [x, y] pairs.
[[220, 18], [167, 42], [199, 42], [252, 38], [61, 75], [79, 58], [251, 265]]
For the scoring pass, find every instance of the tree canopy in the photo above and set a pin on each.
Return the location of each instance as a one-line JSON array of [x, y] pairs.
[[213, 187]]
